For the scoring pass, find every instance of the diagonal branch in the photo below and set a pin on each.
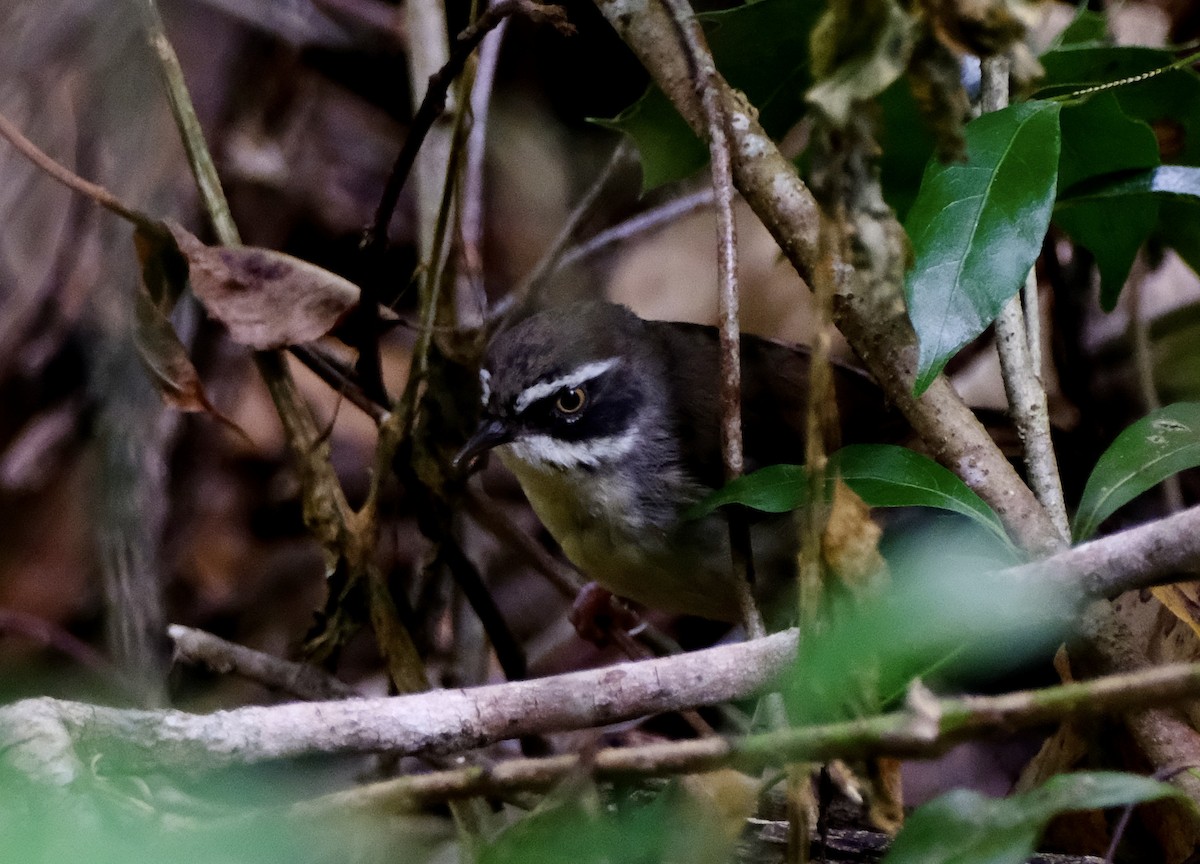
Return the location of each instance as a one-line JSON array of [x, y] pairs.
[[876, 327]]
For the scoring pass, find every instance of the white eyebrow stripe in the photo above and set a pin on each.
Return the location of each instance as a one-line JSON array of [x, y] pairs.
[[544, 450], [485, 386], [576, 378]]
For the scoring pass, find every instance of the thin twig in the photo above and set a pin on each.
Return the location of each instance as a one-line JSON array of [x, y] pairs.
[[703, 72], [484, 511], [473, 199], [551, 260], [69, 178], [1143, 362], [338, 378], [50, 635], [434, 103], [635, 226], [1022, 380], [445, 721], [297, 679]]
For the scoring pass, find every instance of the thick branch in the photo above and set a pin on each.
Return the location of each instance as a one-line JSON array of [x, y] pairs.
[[928, 727], [1020, 369], [51, 739]]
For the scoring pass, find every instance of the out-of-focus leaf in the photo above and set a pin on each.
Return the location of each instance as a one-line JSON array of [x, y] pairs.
[[666, 828], [1098, 138], [945, 615], [964, 826], [907, 148], [883, 475], [761, 49], [1163, 443], [1179, 228], [977, 228], [266, 299], [1087, 27], [859, 50]]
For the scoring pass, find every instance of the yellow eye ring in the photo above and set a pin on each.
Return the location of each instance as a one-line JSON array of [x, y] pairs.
[[571, 401]]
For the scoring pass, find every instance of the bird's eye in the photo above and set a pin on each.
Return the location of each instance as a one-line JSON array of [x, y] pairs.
[[571, 401]]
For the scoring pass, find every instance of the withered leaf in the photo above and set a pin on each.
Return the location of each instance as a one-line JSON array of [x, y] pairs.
[[164, 269], [158, 345], [266, 299]]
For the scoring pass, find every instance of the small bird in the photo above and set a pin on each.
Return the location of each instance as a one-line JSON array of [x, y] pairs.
[[611, 425]]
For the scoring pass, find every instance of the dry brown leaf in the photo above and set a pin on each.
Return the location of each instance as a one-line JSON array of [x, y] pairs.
[[850, 543], [162, 353], [266, 299], [1183, 600]]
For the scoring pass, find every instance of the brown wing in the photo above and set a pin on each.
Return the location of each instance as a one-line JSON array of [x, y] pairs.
[[774, 399]]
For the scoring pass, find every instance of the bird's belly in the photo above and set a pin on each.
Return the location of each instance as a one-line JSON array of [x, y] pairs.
[[605, 531]]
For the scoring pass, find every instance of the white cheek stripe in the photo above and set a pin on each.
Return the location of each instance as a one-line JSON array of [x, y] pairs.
[[544, 450], [578, 377], [485, 386]]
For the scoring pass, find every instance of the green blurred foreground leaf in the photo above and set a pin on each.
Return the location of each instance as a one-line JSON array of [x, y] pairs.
[[964, 827], [883, 475], [946, 616], [978, 227], [1163, 443]]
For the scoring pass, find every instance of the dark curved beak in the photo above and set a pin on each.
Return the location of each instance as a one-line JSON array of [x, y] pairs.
[[491, 433]]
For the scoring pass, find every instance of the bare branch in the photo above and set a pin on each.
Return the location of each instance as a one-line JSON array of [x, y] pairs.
[[434, 102], [1022, 379], [298, 679]]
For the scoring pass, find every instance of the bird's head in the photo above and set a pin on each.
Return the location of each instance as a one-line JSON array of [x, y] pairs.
[[564, 389]]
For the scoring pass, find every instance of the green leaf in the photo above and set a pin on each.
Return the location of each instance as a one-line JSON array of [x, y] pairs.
[[1163, 443], [1086, 27], [762, 49], [773, 489], [1169, 100], [947, 615], [977, 228], [1098, 138], [964, 827], [883, 475], [668, 148]]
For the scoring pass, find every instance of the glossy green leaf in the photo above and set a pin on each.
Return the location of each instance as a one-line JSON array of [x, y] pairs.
[[1099, 138], [883, 475], [667, 147], [1163, 443], [1169, 100], [773, 489], [977, 228], [964, 827], [762, 49]]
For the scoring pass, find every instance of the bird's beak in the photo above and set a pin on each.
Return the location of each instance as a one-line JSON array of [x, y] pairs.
[[491, 433]]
